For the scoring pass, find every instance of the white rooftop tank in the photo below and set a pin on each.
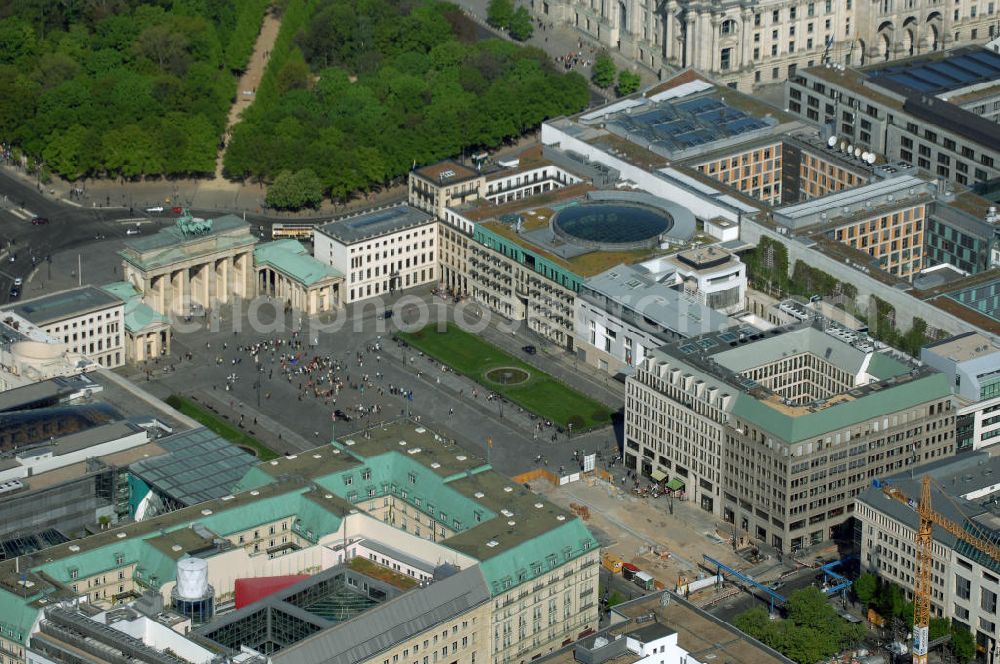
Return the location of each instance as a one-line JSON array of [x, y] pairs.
[[192, 578]]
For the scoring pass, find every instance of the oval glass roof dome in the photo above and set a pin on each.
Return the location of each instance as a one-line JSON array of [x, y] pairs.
[[612, 225]]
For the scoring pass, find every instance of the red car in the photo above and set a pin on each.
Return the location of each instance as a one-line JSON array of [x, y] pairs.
[[177, 209], [39, 221]]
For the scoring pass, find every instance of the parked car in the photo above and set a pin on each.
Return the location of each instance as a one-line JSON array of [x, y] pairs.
[[18, 282], [15, 292], [156, 208], [341, 415], [530, 350], [177, 209], [133, 231], [39, 221]]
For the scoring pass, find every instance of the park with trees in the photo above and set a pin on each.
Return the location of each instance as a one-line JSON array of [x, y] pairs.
[[889, 602], [360, 91], [811, 630], [124, 88]]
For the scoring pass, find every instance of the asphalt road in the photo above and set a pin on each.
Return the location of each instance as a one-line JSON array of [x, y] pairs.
[[24, 246]]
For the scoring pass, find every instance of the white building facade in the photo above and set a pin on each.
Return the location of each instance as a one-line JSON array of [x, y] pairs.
[[88, 320], [380, 252]]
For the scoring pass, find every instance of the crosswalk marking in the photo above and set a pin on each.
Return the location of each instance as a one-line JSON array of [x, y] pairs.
[[18, 213]]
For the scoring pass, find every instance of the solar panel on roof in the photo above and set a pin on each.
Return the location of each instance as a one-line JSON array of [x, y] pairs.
[[728, 336], [707, 343], [688, 348]]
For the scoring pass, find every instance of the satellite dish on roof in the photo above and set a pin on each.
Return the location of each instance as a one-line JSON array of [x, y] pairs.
[[850, 148], [831, 141], [864, 156], [857, 152], [871, 157]]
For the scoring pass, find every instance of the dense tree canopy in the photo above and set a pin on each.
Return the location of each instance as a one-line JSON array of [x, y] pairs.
[[811, 632], [359, 91], [122, 87]]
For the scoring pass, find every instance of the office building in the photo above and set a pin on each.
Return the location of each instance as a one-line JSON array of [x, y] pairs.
[[380, 251], [965, 582], [964, 233], [521, 573], [777, 432], [88, 320], [910, 111], [972, 362], [885, 220], [625, 312]]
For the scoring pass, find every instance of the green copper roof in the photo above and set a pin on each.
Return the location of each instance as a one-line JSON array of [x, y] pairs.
[[795, 428], [138, 314], [884, 366], [16, 617], [536, 556], [293, 260]]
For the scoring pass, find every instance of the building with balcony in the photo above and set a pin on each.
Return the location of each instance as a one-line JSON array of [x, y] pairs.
[[530, 258], [778, 432]]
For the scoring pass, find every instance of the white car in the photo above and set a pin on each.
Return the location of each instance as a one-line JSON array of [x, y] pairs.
[[18, 282], [133, 231], [158, 208]]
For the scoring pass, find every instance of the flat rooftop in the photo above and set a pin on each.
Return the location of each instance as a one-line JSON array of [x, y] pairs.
[[721, 359], [446, 172], [657, 302], [65, 304], [940, 72], [893, 192], [964, 347], [374, 224], [528, 223]]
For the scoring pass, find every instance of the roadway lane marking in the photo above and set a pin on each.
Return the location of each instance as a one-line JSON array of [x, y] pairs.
[[19, 213]]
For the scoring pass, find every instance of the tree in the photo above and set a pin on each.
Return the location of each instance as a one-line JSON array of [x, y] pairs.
[[962, 644], [499, 13], [604, 70], [521, 25], [628, 82], [866, 588], [294, 191]]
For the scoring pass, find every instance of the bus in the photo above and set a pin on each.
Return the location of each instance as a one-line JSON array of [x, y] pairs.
[[295, 231]]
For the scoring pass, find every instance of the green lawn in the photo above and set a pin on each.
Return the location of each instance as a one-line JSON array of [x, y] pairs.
[[224, 428], [541, 394]]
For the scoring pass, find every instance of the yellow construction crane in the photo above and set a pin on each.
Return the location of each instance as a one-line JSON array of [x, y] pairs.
[[925, 562]]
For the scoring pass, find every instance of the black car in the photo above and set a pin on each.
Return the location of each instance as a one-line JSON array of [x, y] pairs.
[[15, 292], [39, 221], [341, 415], [530, 350]]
